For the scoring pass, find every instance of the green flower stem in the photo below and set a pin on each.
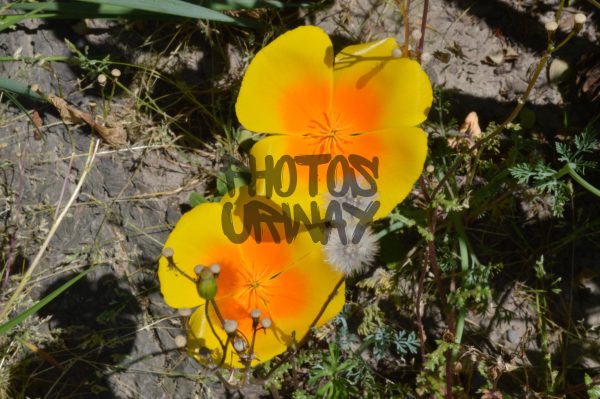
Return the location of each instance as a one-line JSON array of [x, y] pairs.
[[464, 268], [568, 169]]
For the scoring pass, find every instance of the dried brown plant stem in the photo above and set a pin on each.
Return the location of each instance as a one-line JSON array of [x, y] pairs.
[[36, 261], [423, 28], [405, 16]]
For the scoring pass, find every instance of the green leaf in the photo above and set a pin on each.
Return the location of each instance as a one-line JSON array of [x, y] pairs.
[[593, 388], [146, 9], [6, 327], [196, 199]]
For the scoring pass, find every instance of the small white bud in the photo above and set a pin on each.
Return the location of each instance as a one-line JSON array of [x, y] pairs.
[[255, 313], [115, 73], [168, 252], [551, 26], [266, 322], [215, 268], [180, 341], [239, 345], [184, 312], [101, 79], [416, 35], [198, 269], [396, 53], [580, 19], [230, 326]]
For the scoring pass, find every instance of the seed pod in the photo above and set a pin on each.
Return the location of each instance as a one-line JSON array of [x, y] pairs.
[[207, 287]]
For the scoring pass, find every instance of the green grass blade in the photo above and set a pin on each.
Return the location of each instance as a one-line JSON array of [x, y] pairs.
[[174, 7], [6, 327], [79, 10], [225, 5], [16, 87], [6, 21]]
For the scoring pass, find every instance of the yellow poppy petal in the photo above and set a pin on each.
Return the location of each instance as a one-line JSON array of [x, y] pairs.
[[288, 181], [375, 90], [197, 239], [401, 153], [288, 83]]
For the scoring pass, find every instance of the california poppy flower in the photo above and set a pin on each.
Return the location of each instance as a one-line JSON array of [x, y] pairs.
[[277, 287], [366, 102]]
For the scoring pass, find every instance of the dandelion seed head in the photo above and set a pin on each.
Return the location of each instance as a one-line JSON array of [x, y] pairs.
[[351, 258]]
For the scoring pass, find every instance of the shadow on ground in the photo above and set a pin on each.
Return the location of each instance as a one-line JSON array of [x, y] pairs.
[[94, 328]]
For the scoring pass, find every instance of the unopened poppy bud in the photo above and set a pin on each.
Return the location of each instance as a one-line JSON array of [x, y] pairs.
[[101, 79], [198, 269], [115, 73], [168, 252], [579, 21], [239, 345], [215, 268], [266, 322], [230, 326], [207, 287], [180, 341]]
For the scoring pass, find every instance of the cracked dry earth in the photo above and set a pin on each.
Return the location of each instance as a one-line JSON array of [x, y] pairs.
[[112, 333]]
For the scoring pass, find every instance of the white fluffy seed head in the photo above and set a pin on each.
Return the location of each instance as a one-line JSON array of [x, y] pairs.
[[230, 326], [551, 26], [198, 269], [266, 322], [115, 73], [255, 313], [351, 258], [396, 53], [168, 252]]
